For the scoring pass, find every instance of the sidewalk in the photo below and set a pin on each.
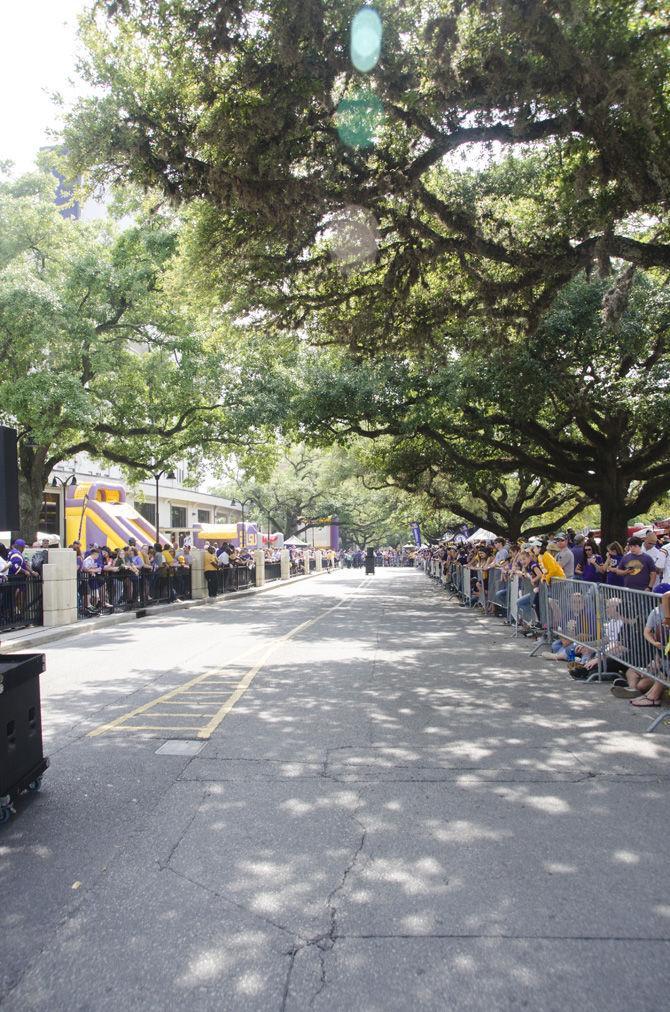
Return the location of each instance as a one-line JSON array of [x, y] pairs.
[[35, 636]]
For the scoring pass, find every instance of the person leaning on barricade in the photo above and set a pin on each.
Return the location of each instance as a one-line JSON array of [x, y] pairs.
[[529, 568], [644, 690], [505, 567]]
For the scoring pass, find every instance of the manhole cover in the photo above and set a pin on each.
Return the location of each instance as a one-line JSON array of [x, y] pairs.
[[177, 747]]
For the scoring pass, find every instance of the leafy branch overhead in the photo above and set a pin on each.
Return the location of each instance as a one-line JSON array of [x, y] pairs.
[[510, 145], [583, 402]]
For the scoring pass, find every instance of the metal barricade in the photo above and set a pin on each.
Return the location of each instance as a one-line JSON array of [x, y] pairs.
[[124, 590], [241, 577], [606, 622], [273, 570], [478, 590], [513, 596], [573, 613], [627, 615], [466, 584], [521, 587], [99, 593], [20, 602], [455, 579], [497, 590]]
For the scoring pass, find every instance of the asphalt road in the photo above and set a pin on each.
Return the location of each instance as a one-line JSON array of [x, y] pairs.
[[386, 806]]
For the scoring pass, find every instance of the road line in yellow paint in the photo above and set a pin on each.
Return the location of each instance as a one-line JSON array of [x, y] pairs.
[[207, 731], [156, 727], [120, 723], [161, 699]]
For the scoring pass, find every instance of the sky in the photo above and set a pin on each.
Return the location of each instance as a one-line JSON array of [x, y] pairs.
[[38, 48]]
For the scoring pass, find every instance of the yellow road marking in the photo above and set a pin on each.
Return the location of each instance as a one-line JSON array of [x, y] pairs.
[[161, 699], [156, 727], [251, 674], [121, 724]]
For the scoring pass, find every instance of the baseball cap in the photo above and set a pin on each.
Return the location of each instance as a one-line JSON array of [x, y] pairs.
[[20, 543], [560, 536]]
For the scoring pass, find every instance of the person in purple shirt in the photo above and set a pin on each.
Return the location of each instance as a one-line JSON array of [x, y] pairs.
[[577, 549], [637, 568], [590, 570], [18, 566], [611, 564]]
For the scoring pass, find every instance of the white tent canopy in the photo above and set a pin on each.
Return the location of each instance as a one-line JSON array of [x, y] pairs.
[[482, 535], [296, 542]]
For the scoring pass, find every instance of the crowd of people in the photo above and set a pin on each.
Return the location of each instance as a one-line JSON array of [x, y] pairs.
[[633, 636], [145, 573], [354, 558]]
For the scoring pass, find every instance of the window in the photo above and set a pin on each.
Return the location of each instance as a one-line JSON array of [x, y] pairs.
[[50, 515], [148, 511], [177, 516], [203, 516]]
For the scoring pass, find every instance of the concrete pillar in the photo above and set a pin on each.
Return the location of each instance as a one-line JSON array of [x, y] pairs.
[[285, 560], [59, 587], [259, 559], [198, 582], [319, 562]]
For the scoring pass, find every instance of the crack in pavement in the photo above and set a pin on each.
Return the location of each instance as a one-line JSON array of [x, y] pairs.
[[163, 864], [234, 904]]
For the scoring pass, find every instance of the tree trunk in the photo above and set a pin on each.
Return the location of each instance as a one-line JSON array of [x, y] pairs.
[[513, 528], [32, 479], [613, 519]]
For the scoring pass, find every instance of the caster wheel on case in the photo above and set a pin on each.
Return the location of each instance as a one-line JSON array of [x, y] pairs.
[[5, 814], [35, 785]]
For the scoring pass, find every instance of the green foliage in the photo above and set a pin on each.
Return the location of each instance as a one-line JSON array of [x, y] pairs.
[[581, 403], [99, 353], [309, 483], [560, 111]]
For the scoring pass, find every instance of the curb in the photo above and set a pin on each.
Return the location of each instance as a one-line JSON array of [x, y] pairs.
[[37, 636]]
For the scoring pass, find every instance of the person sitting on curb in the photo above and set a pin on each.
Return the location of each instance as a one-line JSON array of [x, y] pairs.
[[643, 690]]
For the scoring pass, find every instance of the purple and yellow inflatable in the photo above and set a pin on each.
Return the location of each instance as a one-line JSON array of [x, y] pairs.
[[97, 513]]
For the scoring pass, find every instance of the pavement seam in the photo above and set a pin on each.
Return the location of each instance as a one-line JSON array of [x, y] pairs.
[[460, 936], [234, 904]]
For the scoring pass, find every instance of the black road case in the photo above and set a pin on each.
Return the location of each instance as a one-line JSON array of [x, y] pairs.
[[22, 762]]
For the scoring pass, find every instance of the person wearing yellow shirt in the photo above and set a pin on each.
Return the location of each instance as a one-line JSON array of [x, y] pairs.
[[211, 567], [550, 568]]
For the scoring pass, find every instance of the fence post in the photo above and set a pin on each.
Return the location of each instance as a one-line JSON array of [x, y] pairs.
[[198, 582], [285, 563], [59, 587], [319, 562], [259, 559]]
